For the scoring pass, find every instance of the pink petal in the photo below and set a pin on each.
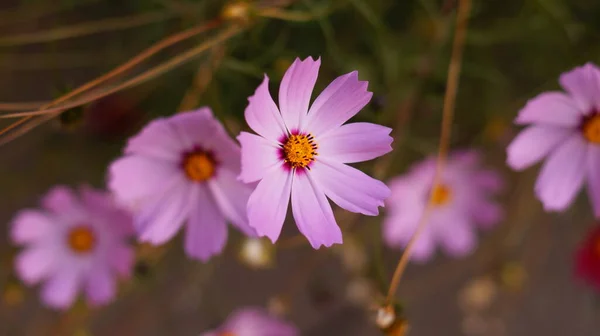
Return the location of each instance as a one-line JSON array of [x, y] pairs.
[[159, 221], [61, 288], [350, 188], [456, 235], [312, 212], [593, 175], [255, 321], [424, 248], [137, 179], [486, 214], [35, 263], [355, 142], [232, 196], [551, 108], [583, 84], [295, 90], [489, 180], [340, 101], [121, 260], [60, 199], [102, 206], [533, 143], [258, 156], [268, 203], [262, 114], [206, 231], [30, 226], [562, 175], [100, 286], [158, 140]]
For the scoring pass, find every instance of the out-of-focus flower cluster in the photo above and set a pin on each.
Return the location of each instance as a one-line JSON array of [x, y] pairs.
[[186, 171]]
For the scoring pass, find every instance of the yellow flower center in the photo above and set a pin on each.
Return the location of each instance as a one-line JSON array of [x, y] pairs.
[[226, 333], [300, 150], [440, 195], [199, 166], [82, 239], [591, 129]]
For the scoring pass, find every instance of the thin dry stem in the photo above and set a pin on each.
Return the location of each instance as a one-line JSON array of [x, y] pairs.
[[147, 75], [120, 69], [84, 29], [201, 80], [464, 9], [24, 106]]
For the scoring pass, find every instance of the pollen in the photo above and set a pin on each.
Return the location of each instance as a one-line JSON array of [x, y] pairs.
[[199, 166], [440, 195], [82, 239], [300, 150], [591, 129]]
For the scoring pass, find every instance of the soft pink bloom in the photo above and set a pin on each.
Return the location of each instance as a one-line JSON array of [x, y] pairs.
[[74, 244], [301, 153], [253, 322], [183, 169], [461, 201], [565, 128]]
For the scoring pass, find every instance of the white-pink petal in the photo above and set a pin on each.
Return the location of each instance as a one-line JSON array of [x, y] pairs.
[[456, 234], [35, 263], [158, 221], [258, 157], [563, 174], [206, 230], [231, 196], [340, 101], [551, 108], [533, 143], [61, 288], [312, 212], [268, 203], [583, 84], [262, 114], [296, 89], [30, 226], [349, 188], [355, 142], [100, 285]]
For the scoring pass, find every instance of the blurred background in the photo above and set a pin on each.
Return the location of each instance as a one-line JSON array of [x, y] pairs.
[[518, 282]]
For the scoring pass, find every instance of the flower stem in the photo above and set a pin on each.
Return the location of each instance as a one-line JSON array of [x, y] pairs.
[[464, 8]]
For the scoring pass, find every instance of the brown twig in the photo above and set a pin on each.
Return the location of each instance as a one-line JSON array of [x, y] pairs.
[[448, 114], [201, 80], [154, 72]]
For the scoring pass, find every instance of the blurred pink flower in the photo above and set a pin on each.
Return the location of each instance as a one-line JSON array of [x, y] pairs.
[[74, 244], [183, 169], [303, 152], [460, 202], [565, 127], [253, 322]]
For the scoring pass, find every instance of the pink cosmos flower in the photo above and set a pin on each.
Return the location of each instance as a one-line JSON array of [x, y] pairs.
[[183, 169], [74, 244], [301, 153], [460, 202], [253, 322], [565, 127]]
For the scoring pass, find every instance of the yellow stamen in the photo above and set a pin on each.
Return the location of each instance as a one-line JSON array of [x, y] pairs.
[[199, 166], [226, 333], [82, 239], [591, 129], [440, 195], [300, 150]]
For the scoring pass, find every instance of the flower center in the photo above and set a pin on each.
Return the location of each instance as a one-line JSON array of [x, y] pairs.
[[591, 129], [199, 166], [226, 333], [82, 239], [440, 195], [299, 150]]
